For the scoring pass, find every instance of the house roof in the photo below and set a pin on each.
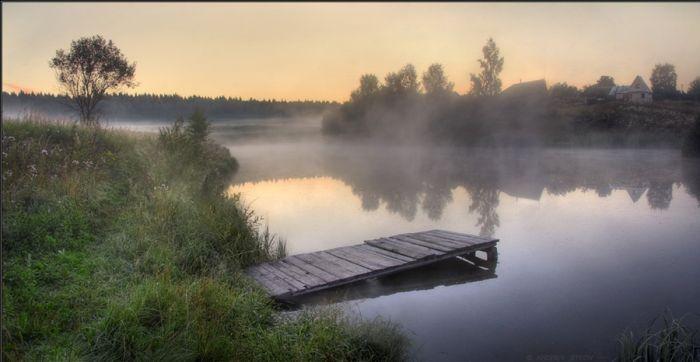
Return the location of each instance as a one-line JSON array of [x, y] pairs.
[[618, 89], [535, 87], [638, 85]]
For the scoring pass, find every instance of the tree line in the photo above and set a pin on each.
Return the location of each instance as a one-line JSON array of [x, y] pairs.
[[406, 104], [92, 70], [161, 106]]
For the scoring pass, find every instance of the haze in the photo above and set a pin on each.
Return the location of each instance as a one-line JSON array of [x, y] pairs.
[[318, 51]]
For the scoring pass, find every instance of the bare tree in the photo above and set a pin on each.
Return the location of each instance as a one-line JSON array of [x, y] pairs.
[[91, 68], [487, 82]]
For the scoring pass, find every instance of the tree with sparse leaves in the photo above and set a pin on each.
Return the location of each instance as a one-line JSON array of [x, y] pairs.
[[487, 82], [92, 67]]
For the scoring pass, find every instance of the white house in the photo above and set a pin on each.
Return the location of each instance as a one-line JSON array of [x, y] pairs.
[[637, 92]]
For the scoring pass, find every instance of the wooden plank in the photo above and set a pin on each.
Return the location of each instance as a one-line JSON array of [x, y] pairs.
[[455, 239], [427, 244], [276, 287], [273, 279], [308, 275], [385, 253], [301, 275], [271, 287], [326, 265], [414, 247], [367, 262], [287, 279], [348, 265], [312, 269], [433, 251], [466, 239], [402, 248], [374, 258], [474, 239], [437, 240]]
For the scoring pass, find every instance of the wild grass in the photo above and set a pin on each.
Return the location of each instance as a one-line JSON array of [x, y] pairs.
[[666, 339], [120, 246]]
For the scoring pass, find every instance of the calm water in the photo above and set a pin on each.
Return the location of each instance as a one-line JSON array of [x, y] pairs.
[[592, 241]]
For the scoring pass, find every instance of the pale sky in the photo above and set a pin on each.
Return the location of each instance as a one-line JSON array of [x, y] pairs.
[[319, 50]]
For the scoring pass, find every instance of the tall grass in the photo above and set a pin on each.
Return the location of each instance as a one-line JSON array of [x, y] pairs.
[[120, 246], [666, 339]]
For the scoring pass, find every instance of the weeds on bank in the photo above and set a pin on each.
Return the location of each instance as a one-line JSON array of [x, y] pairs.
[[119, 246], [666, 339]]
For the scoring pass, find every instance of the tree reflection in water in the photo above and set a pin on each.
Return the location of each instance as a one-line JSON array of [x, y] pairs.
[[404, 179]]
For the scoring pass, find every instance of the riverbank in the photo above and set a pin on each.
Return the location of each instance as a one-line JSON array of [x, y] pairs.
[[120, 246], [527, 121]]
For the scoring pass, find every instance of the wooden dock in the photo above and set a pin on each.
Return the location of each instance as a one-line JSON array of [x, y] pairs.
[[305, 273]]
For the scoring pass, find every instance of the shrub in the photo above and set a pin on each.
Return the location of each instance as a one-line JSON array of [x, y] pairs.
[[691, 144]]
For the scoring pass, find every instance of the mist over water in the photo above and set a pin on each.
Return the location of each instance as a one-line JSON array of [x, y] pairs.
[[592, 241]]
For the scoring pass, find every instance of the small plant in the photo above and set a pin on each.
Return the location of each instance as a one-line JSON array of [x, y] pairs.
[[672, 341]]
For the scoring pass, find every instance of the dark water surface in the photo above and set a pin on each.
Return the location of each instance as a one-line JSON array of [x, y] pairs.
[[592, 241]]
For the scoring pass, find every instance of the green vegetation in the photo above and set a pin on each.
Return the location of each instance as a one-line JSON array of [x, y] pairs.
[[671, 340], [120, 246]]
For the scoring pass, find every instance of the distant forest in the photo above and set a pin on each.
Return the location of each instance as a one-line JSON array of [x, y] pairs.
[[161, 106]]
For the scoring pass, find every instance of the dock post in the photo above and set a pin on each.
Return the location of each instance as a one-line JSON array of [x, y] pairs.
[[491, 254], [491, 258]]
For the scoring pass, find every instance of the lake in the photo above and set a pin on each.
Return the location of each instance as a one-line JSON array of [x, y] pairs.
[[591, 241]]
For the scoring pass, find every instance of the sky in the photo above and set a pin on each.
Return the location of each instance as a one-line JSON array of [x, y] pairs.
[[319, 50]]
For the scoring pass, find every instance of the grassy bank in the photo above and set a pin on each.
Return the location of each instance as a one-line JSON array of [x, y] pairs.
[[123, 246]]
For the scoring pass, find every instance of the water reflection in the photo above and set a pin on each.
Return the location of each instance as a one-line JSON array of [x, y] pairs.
[[406, 179]]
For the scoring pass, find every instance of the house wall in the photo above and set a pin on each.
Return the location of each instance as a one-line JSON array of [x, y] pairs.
[[634, 97], [639, 97]]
